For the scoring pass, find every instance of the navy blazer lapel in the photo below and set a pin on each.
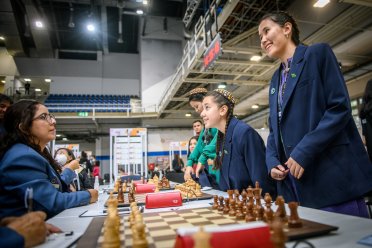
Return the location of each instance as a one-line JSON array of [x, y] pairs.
[[273, 96], [294, 74], [227, 149]]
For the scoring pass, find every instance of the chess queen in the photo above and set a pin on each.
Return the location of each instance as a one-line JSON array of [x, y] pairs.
[[314, 150], [240, 151]]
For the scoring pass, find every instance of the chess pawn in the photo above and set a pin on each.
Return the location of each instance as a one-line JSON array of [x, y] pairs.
[[232, 208], [236, 195], [201, 239], [215, 202], [239, 212], [226, 209], [259, 213], [139, 239], [221, 206], [278, 236], [244, 200], [269, 214], [294, 220], [249, 217], [230, 192], [111, 236], [120, 195], [280, 211]]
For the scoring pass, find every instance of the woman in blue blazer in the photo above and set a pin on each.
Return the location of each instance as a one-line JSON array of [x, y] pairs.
[[25, 163], [314, 150], [239, 148]]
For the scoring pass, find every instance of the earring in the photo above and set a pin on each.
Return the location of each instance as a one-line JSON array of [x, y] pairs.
[[286, 36]]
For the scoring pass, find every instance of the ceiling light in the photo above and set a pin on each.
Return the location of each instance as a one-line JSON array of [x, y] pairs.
[[321, 3], [48, 80], [64, 139], [188, 114], [139, 11], [255, 106], [256, 58], [145, 2], [71, 23], [27, 80], [2, 38], [222, 86], [58, 135], [3, 81], [38, 90], [91, 27], [39, 24]]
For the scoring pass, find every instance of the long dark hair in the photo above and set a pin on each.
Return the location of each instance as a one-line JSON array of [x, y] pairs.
[[220, 99], [282, 18], [18, 121], [366, 106]]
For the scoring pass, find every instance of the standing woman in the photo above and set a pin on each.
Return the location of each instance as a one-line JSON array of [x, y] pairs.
[[25, 163], [205, 150], [365, 115], [240, 149], [314, 150]]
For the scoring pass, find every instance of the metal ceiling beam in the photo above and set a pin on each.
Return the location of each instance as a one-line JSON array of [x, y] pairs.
[[217, 81], [367, 3], [241, 62], [40, 36], [228, 73]]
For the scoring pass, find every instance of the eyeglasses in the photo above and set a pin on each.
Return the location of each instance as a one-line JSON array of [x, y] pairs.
[[46, 117]]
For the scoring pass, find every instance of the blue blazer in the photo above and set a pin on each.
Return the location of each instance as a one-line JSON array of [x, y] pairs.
[[22, 167], [244, 159], [318, 131], [10, 238]]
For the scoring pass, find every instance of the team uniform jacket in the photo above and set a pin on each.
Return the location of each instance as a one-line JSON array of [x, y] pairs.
[[22, 167], [244, 159], [317, 131]]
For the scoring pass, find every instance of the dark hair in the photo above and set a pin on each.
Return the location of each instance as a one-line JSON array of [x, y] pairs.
[[221, 100], [188, 148], [282, 18], [366, 106], [197, 97], [97, 163], [5, 98], [83, 154], [18, 122], [197, 121], [69, 152]]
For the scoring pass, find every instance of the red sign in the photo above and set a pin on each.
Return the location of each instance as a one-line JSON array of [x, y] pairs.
[[213, 52]]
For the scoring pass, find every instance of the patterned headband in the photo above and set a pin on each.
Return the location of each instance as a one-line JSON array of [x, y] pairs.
[[198, 91], [227, 95]]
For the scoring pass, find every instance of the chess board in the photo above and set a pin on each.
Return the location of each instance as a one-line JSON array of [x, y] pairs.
[[161, 227], [141, 199], [163, 189]]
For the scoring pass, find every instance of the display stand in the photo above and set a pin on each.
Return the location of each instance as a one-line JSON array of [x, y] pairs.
[[128, 150]]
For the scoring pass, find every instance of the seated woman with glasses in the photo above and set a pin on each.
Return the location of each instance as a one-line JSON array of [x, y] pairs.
[[25, 163]]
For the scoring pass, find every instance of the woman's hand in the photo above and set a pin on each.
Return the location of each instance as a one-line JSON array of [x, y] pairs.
[[73, 164], [187, 174], [279, 172], [93, 195], [295, 168], [197, 170]]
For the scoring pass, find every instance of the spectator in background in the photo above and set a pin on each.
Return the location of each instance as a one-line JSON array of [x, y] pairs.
[[85, 162], [27, 88], [198, 127], [66, 158], [192, 144], [5, 102], [177, 163], [26, 231], [365, 115], [96, 169]]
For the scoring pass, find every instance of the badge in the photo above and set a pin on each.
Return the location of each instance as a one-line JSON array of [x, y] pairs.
[[272, 91], [225, 152], [293, 75]]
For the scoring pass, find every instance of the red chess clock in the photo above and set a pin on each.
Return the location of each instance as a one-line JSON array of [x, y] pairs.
[[213, 52]]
